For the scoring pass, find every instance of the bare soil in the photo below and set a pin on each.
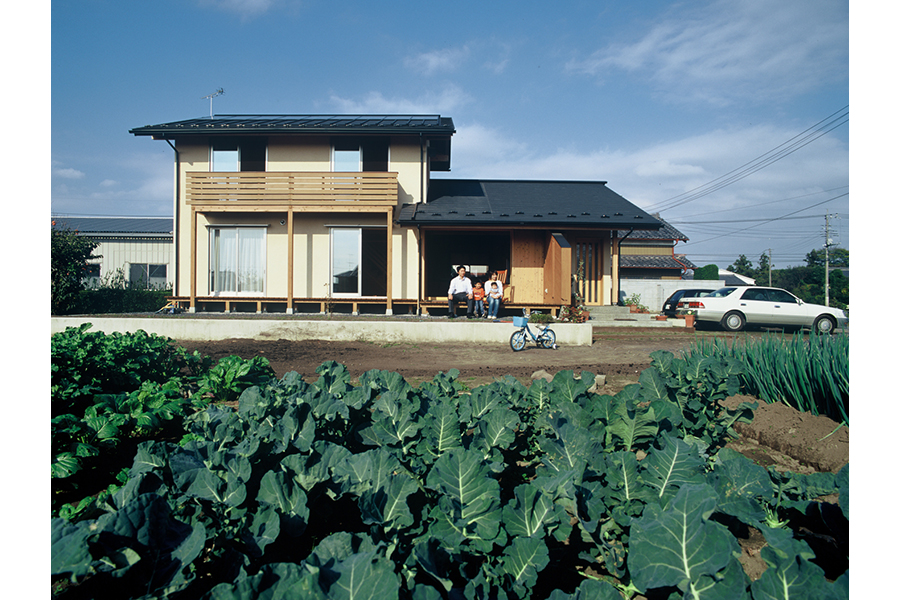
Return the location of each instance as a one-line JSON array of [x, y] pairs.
[[779, 435]]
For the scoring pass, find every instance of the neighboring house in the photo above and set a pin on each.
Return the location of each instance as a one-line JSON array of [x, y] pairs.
[[292, 212], [731, 278], [139, 247], [651, 254]]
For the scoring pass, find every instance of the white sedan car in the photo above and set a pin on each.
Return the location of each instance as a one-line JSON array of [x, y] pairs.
[[735, 307]]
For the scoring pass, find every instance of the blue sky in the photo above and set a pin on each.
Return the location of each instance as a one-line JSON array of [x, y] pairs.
[[730, 118]]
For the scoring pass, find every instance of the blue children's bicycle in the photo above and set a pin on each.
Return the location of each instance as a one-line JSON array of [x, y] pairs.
[[545, 339]]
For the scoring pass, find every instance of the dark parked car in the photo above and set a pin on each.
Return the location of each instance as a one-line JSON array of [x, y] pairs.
[[671, 303]]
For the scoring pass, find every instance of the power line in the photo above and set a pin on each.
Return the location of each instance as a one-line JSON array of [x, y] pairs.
[[674, 221], [784, 149], [768, 220], [756, 205]]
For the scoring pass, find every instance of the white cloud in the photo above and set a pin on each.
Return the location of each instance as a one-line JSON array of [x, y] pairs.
[[448, 59], [734, 49], [144, 187], [247, 8], [69, 173], [445, 101]]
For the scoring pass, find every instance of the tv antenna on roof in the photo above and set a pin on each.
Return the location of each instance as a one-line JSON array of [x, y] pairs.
[[218, 92]]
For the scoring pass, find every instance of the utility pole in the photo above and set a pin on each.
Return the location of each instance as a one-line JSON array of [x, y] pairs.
[[770, 267], [828, 243]]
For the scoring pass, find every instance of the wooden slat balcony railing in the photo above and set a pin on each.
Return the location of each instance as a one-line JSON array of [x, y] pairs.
[[292, 187]]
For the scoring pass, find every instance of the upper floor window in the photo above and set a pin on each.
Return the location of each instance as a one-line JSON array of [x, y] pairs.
[[360, 154], [346, 157], [232, 155]]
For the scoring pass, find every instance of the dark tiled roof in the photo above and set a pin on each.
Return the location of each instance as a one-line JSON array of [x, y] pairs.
[[500, 203], [627, 261], [115, 225], [667, 232], [685, 261], [295, 124]]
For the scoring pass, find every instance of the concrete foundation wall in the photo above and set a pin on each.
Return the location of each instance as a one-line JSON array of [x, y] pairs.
[[188, 329], [654, 292]]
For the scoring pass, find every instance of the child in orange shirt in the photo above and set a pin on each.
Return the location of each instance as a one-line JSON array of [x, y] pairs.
[[478, 299]]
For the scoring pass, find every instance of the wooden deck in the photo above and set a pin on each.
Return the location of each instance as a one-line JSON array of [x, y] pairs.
[[229, 304], [274, 304]]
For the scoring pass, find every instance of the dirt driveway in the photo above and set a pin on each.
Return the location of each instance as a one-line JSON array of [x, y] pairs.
[[619, 353]]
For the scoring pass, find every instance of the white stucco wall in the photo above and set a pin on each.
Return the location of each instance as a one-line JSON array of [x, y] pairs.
[[654, 292]]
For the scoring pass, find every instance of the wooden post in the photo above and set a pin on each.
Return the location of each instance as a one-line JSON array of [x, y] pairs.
[[615, 272], [420, 308], [390, 260], [290, 261], [193, 260]]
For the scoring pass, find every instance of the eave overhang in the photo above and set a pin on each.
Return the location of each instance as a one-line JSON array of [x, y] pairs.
[[530, 204]]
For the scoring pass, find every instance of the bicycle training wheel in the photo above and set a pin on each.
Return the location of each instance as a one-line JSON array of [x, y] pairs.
[[517, 340], [548, 339]]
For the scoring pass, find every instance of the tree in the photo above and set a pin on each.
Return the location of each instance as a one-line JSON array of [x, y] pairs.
[[837, 257], [707, 272], [762, 272], [742, 266], [69, 256]]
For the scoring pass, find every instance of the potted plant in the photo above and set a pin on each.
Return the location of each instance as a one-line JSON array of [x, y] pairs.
[[688, 316], [574, 314], [634, 303]]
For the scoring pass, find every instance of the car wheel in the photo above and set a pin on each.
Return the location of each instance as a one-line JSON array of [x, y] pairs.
[[733, 321], [824, 325]]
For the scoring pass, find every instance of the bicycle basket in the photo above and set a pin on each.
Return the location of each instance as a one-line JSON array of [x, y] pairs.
[[520, 321]]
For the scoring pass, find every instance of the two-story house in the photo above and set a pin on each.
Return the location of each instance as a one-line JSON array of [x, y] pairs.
[[297, 212]]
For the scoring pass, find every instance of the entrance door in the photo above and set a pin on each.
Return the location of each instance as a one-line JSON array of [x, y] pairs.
[[588, 266]]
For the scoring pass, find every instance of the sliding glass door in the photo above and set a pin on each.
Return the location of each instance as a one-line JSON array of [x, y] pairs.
[[237, 260], [346, 248], [358, 261]]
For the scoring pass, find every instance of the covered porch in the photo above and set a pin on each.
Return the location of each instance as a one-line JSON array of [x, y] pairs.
[[556, 242]]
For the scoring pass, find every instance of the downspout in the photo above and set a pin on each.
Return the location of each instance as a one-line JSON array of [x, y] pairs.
[[619, 270], [421, 169], [684, 267], [177, 214], [418, 227]]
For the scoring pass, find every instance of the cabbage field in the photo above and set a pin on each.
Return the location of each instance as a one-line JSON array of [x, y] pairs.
[[358, 488]]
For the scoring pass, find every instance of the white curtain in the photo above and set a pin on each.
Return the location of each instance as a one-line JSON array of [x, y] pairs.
[[239, 260], [225, 257], [251, 259]]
